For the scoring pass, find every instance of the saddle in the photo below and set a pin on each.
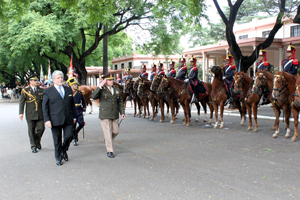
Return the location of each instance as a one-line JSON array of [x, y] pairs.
[[230, 87], [200, 87]]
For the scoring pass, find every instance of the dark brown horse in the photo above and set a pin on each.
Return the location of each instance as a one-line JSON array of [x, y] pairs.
[[295, 104], [244, 85], [283, 90], [160, 97], [129, 88], [219, 96], [147, 95]]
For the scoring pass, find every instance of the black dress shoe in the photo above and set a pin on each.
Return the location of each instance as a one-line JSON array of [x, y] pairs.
[[34, 150], [75, 143], [39, 146], [59, 163], [65, 156], [110, 154]]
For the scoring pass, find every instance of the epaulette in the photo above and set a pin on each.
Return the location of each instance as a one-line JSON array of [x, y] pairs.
[[266, 64], [195, 68], [282, 62], [173, 71], [154, 73], [184, 68], [295, 62], [27, 87], [233, 67], [162, 73], [146, 73]]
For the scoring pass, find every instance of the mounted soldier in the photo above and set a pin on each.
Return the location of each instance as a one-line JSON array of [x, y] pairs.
[[194, 80], [290, 64], [153, 72], [80, 107], [228, 75], [182, 71], [263, 64], [160, 69], [127, 75], [144, 73], [172, 71], [118, 79]]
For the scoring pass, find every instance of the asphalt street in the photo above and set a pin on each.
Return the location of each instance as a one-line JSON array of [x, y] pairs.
[[152, 161]]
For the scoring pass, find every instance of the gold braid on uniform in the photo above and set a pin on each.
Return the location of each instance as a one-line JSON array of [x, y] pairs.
[[75, 93], [33, 99]]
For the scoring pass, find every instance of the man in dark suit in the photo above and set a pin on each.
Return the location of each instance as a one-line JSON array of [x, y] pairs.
[[32, 97], [59, 114]]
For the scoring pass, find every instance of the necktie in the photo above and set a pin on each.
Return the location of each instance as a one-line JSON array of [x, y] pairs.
[[60, 92], [34, 90]]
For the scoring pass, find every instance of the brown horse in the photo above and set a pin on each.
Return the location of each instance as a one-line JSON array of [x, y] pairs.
[[147, 95], [295, 103], [219, 96], [128, 88], [283, 89], [250, 94], [87, 92], [160, 97], [123, 94]]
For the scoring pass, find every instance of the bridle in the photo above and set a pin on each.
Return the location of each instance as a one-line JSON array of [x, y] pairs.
[[280, 90], [257, 87]]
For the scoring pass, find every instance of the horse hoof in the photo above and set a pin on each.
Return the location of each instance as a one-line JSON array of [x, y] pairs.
[[184, 124], [249, 129], [171, 122], [152, 119], [255, 130], [242, 124], [274, 136], [273, 128], [90, 112], [293, 139], [287, 136], [215, 127], [188, 125], [161, 121], [196, 120], [221, 127], [205, 120]]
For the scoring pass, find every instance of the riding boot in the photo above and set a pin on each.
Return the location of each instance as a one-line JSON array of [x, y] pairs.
[[231, 95], [77, 130], [129, 97]]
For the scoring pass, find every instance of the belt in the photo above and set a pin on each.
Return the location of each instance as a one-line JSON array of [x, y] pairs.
[[78, 104]]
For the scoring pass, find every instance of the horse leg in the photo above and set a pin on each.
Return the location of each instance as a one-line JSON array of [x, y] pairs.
[[276, 124], [295, 114], [249, 115], [203, 103], [211, 108], [147, 100], [287, 112], [162, 110], [172, 112], [140, 105], [168, 106], [91, 104], [215, 105], [254, 107], [221, 114], [145, 107], [198, 111], [188, 115], [153, 105], [242, 111]]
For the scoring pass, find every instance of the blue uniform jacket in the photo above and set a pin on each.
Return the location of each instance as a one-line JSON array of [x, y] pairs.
[[172, 73], [193, 76], [80, 106], [263, 66], [291, 66], [228, 72], [145, 74], [182, 73], [152, 75], [160, 73]]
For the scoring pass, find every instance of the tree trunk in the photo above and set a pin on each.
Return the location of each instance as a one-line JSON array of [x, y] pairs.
[[105, 61]]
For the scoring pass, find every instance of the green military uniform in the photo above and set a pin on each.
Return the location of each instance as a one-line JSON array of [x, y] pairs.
[[111, 106], [34, 114]]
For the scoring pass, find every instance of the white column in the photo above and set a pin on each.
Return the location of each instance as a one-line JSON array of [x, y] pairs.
[[206, 68], [281, 53], [203, 65]]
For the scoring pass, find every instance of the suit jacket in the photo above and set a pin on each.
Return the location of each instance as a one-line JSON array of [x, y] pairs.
[[33, 102], [111, 105], [56, 109]]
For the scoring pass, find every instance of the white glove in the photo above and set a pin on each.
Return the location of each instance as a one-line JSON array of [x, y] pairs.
[[186, 80], [83, 113], [224, 77]]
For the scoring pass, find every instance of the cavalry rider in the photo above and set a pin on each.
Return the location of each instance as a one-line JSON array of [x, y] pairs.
[[193, 78], [290, 64], [118, 79], [153, 72], [262, 63], [182, 71], [144, 73], [228, 75], [127, 74], [80, 107], [161, 69], [172, 71]]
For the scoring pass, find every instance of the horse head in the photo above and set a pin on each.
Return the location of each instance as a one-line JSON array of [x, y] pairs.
[[260, 81], [128, 85], [163, 85], [217, 70], [279, 85], [140, 89], [155, 83], [238, 81], [297, 92]]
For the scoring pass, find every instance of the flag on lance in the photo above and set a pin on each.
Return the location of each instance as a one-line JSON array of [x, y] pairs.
[[41, 75], [72, 70], [49, 71]]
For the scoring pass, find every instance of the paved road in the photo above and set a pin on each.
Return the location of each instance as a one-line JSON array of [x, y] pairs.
[[153, 161]]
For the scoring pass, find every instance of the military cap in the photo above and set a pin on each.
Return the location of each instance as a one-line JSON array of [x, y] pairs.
[[127, 69], [153, 65], [160, 64], [193, 59], [182, 59], [108, 76], [172, 62], [143, 66], [262, 52], [291, 48], [72, 81], [229, 57], [34, 77]]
